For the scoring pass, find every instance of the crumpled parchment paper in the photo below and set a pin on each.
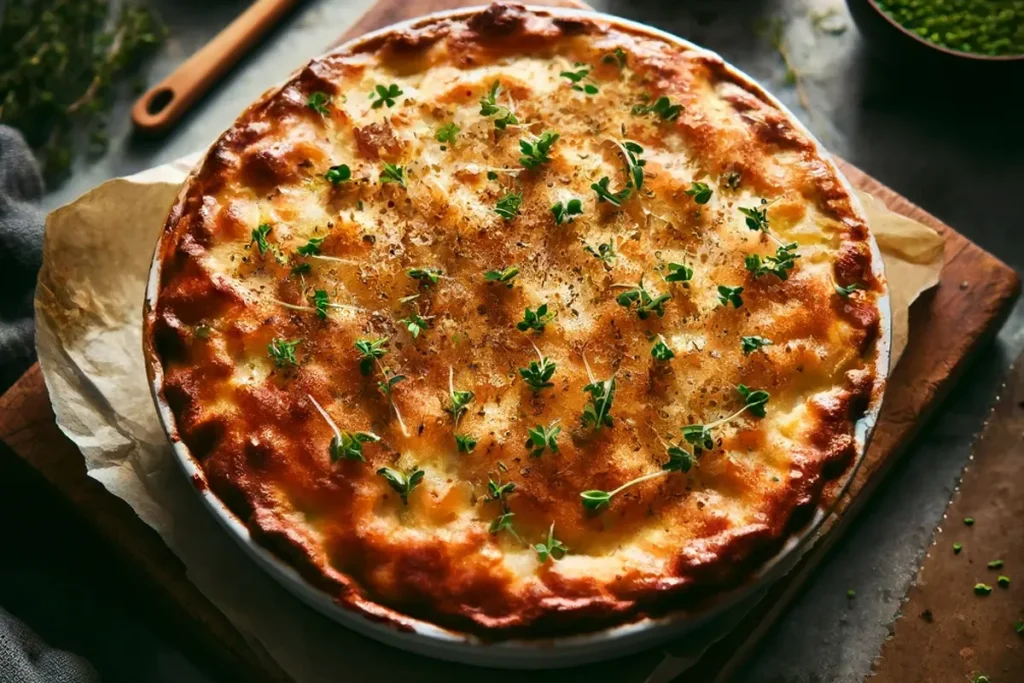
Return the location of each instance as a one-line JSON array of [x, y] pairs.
[[97, 253]]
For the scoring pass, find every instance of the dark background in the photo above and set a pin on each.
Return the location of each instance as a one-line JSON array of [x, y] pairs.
[[951, 143]]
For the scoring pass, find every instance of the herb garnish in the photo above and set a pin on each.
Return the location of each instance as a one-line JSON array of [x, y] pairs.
[[757, 216], [385, 95], [259, 236], [338, 174], [536, 153], [447, 133], [700, 192], [605, 195], [751, 344], [634, 164], [311, 247], [465, 443], [392, 174], [321, 303], [642, 301], [578, 79], [503, 522], [605, 253], [566, 213], [845, 292], [730, 295], [778, 265], [458, 401], [427, 276], [679, 460], [618, 57], [344, 445], [701, 437], [731, 179], [535, 320], [542, 438], [662, 106], [602, 394], [401, 481], [508, 205], [552, 548], [370, 353], [678, 272], [489, 107], [497, 492], [319, 102], [661, 351], [539, 372], [505, 275], [282, 351], [415, 323]]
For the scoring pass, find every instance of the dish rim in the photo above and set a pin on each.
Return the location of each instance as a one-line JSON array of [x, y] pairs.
[[425, 638]]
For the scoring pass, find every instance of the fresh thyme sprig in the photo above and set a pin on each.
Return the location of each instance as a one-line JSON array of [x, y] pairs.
[[391, 173], [509, 204], [643, 302], [542, 438], [402, 481], [282, 351], [631, 152], [567, 212], [371, 351], [489, 107], [602, 394], [344, 445], [537, 152], [552, 547], [778, 265], [580, 79], [382, 95], [679, 460], [700, 192], [701, 437], [505, 275], [751, 344], [535, 320], [539, 372], [662, 106], [730, 295], [458, 401]]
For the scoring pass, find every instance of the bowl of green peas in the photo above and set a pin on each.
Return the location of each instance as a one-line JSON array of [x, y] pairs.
[[947, 31]]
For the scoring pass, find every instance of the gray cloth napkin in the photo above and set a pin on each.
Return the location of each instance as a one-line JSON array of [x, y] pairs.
[[25, 658], [21, 253]]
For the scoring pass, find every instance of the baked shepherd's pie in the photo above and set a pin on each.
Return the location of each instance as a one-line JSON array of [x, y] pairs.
[[518, 324]]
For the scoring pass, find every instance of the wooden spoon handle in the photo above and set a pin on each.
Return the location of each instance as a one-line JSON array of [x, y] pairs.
[[163, 104]]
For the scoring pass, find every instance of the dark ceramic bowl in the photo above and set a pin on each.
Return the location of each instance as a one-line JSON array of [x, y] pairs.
[[892, 41]]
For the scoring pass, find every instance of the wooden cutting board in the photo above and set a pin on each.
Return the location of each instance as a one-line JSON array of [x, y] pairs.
[[948, 326]]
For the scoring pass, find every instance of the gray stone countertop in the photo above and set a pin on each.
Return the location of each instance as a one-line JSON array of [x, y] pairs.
[[956, 152]]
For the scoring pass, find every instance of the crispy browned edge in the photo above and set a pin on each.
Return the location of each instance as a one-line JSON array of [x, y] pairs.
[[737, 558]]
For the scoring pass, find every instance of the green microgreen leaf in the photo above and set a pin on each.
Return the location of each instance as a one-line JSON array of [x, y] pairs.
[[489, 107], [350, 445], [618, 58], [538, 374], [390, 380], [753, 400], [778, 265], [498, 492], [751, 344], [678, 272], [503, 522], [699, 436], [606, 195], [465, 443], [845, 292], [631, 151], [542, 438], [282, 351], [259, 236], [597, 412], [392, 174], [536, 153], [643, 302], [700, 192], [458, 401], [661, 351], [757, 216], [662, 106], [446, 134], [552, 547], [319, 102], [579, 79], [594, 500], [509, 204], [605, 253], [505, 275], [403, 482], [370, 350], [730, 295], [415, 323], [338, 174], [566, 213], [679, 460], [382, 95], [302, 268], [320, 303], [427, 276], [535, 320], [312, 247]]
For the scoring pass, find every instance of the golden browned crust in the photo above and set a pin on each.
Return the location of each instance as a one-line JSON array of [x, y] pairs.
[[263, 444]]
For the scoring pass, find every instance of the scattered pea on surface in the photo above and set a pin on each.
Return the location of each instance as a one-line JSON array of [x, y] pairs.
[[957, 548], [969, 521], [982, 589]]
